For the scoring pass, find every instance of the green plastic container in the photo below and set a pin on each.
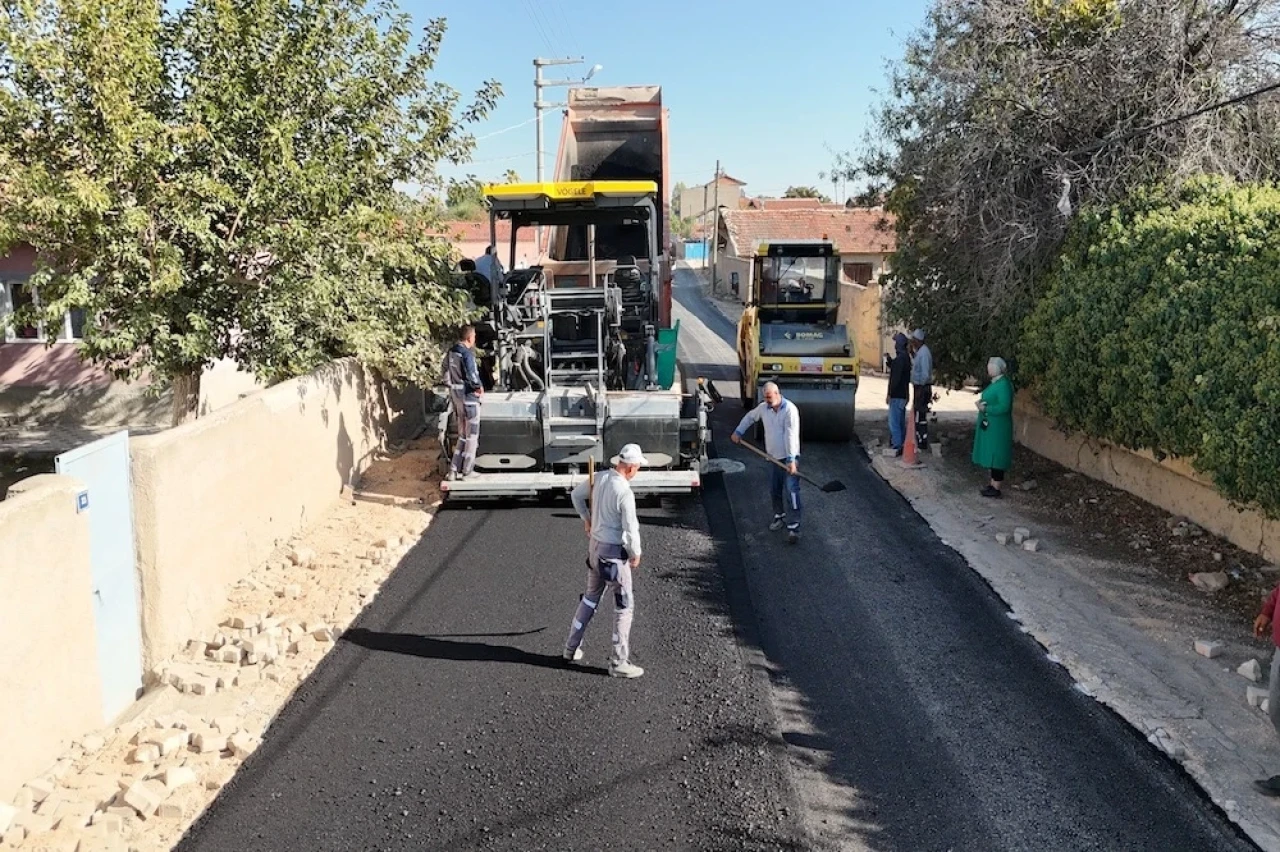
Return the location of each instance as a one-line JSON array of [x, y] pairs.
[[665, 355]]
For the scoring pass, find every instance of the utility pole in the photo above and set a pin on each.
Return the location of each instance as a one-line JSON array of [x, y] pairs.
[[715, 230], [538, 105], [706, 249]]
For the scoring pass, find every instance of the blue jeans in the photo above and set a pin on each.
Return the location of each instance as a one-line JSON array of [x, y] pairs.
[[784, 482], [897, 423]]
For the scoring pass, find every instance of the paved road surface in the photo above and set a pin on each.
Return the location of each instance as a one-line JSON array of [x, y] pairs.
[[444, 720], [936, 724], [917, 717]]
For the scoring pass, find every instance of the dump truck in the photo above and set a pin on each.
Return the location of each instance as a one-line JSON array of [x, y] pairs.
[[577, 353], [618, 133], [790, 334]]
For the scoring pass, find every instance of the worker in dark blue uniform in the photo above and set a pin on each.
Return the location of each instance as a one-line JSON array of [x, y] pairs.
[[461, 374]]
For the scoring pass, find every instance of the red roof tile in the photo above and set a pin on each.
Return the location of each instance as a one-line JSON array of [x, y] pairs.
[[788, 204], [478, 232], [854, 231]]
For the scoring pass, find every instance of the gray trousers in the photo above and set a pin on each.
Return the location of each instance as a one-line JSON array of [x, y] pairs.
[[605, 572], [466, 413], [1273, 691]]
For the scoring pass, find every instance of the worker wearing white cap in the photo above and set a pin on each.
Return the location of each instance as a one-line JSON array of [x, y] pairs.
[[921, 386], [613, 551]]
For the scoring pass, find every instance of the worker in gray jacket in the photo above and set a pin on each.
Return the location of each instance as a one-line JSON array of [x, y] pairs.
[[613, 552], [781, 419], [460, 373]]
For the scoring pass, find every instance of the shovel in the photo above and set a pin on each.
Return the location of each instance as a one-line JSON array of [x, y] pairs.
[[833, 485]]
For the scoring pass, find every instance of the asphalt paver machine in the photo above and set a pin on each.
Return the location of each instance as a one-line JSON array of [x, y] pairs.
[[575, 359]]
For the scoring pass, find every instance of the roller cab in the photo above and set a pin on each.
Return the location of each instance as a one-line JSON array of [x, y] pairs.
[[789, 334]]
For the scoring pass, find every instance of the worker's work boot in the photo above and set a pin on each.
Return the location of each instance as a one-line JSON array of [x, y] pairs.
[[627, 670], [793, 535], [1269, 786], [573, 656], [778, 521]]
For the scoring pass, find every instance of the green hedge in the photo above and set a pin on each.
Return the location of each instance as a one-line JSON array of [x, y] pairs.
[[1160, 330]]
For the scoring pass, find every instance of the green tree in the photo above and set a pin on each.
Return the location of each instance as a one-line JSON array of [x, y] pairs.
[[676, 192], [464, 199], [1004, 117], [220, 181], [805, 192]]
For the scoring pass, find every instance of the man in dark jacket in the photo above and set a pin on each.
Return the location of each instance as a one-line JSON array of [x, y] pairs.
[[1267, 623], [461, 373], [899, 392]]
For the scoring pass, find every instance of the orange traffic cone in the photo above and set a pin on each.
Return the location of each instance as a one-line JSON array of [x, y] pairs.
[[909, 458]]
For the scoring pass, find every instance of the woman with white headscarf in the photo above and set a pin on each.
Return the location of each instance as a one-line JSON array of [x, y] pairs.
[[993, 440]]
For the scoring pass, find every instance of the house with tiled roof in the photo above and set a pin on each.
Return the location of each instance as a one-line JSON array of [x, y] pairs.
[[864, 237], [471, 238]]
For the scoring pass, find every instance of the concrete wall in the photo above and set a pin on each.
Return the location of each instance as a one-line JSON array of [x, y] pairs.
[[50, 692], [1172, 484], [727, 264], [213, 497]]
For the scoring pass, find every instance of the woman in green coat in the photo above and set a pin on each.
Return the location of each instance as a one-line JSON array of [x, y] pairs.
[[993, 440]]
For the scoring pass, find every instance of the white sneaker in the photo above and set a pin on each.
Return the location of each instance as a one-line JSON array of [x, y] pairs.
[[627, 670], [573, 656], [778, 521]]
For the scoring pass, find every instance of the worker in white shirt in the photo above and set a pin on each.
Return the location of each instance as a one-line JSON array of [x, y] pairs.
[[613, 552], [489, 266], [781, 419]]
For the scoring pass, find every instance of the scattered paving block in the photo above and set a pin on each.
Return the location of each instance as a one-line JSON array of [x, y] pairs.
[[292, 591], [34, 823], [178, 776], [322, 634], [206, 742], [1255, 695], [145, 797], [303, 557], [1002, 539], [145, 753], [204, 686], [112, 823], [304, 644], [168, 741], [1021, 534], [7, 814], [226, 724], [41, 789], [249, 675], [1031, 545], [169, 810], [73, 815], [229, 654], [273, 675], [242, 745], [14, 836], [1251, 669], [1208, 649]]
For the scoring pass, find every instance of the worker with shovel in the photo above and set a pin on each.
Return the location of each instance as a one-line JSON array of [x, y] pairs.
[[781, 419]]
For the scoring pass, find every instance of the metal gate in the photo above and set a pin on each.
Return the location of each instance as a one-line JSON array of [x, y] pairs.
[[103, 467]]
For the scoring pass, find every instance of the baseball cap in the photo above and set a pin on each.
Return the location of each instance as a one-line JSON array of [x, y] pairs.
[[631, 454], [918, 334]]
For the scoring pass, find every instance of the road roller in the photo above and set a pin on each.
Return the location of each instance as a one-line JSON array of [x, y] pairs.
[[790, 334]]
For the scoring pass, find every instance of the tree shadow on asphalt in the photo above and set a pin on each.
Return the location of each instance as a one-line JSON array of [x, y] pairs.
[[432, 648]]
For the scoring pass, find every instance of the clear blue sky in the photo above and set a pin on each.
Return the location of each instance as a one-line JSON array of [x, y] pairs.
[[765, 88]]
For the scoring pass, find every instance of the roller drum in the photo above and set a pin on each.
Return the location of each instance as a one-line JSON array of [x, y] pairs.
[[826, 413]]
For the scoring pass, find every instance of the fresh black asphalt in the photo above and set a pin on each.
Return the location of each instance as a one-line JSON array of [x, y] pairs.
[[445, 719]]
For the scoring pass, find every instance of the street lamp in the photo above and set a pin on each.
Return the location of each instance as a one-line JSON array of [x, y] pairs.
[[539, 105]]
